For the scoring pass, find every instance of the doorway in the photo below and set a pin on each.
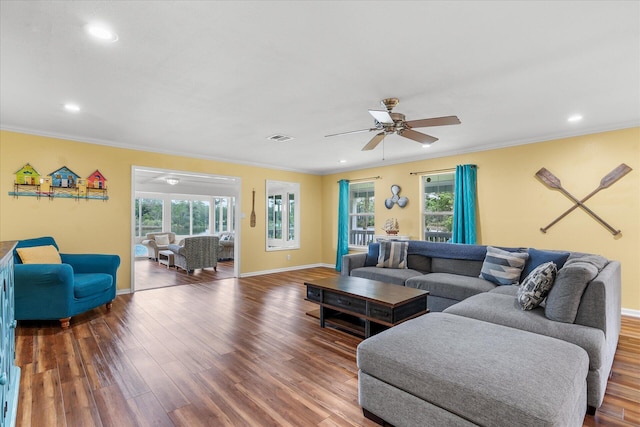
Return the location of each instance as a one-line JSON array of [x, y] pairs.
[[182, 204]]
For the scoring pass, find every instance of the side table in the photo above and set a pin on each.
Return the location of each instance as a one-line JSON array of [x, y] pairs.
[[166, 258]]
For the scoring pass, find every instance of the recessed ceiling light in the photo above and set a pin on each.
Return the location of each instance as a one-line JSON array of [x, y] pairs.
[[574, 118], [101, 32], [72, 108], [343, 161], [427, 145], [172, 181]]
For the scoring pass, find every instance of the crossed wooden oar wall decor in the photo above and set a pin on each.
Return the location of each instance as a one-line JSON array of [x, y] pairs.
[[553, 182]]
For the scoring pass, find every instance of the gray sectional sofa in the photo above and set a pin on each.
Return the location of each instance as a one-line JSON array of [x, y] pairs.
[[582, 310]]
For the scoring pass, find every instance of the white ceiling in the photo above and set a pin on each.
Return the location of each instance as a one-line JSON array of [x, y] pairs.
[[214, 79]]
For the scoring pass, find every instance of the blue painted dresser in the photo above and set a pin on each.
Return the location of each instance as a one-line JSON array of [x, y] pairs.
[[9, 372]]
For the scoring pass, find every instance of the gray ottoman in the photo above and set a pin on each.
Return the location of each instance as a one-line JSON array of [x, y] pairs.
[[446, 370]]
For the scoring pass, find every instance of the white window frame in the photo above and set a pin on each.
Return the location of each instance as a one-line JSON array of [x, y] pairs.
[[287, 191], [438, 234], [360, 241]]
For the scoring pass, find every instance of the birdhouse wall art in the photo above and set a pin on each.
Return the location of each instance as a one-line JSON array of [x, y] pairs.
[[96, 180], [64, 178], [27, 175], [61, 183]]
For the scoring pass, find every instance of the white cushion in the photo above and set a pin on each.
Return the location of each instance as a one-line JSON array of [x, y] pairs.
[[162, 239]]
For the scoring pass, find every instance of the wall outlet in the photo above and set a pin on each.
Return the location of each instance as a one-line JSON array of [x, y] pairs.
[[288, 257]]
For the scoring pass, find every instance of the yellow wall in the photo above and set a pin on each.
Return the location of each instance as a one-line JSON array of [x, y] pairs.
[[513, 204], [105, 227]]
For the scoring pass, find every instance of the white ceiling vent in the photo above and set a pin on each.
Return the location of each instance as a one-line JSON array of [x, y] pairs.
[[279, 138]]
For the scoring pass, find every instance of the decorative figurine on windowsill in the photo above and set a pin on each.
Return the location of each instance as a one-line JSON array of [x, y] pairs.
[[391, 227]]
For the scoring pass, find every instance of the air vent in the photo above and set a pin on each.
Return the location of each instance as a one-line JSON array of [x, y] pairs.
[[279, 138]]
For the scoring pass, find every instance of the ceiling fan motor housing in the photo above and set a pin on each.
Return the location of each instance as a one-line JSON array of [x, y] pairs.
[[390, 103]]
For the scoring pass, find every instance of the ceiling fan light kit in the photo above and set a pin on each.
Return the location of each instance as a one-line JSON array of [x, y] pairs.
[[387, 123]]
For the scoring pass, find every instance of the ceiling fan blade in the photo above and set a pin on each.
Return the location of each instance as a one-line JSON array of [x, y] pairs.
[[436, 121], [374, 142], [350, 132], [382, 116], [417, 136]]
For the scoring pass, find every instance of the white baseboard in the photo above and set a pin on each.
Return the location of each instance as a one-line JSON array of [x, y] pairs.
[[631, 313], [280, 270]]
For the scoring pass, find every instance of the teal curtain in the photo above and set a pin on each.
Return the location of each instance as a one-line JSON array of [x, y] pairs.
[[464, 205], [343, 223]]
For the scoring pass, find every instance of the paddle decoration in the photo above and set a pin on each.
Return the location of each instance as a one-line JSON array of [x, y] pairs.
[[552, 181], [252, 221]]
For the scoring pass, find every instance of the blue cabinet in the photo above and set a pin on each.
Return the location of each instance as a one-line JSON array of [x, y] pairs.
[[9, 372]]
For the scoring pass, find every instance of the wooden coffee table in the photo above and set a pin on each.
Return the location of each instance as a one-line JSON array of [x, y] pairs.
[[364, 307]]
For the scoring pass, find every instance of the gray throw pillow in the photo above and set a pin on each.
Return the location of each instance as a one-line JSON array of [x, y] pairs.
[[393, 255], [536, 286], [503, 267], [564, 298]]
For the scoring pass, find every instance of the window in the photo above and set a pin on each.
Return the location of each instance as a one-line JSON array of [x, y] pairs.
[[223, 218], [148, 216], [274, 211], [438, 190], [361, 213], [283, 213], [190, 217]]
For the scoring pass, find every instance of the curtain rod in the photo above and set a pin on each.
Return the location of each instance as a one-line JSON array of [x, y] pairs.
[[436, 171], [363, 179]]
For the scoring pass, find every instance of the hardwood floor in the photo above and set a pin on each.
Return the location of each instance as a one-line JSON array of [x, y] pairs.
[[230, 351], [149, 274]]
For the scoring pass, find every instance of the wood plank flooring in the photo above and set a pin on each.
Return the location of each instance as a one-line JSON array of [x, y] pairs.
[[149, 274], [226, 352]]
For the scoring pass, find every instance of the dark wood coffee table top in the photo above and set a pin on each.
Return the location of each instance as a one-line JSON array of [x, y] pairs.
[[372, 290]]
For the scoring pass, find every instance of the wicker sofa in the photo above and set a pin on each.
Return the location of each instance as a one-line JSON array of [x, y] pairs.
[[227, 245]]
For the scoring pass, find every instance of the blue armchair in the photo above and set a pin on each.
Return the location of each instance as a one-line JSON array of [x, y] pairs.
[[59, 291]]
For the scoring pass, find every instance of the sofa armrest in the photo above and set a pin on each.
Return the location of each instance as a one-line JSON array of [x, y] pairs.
[[42, 287], [92, 263], [601, 303], [351, 261], [177, 249]]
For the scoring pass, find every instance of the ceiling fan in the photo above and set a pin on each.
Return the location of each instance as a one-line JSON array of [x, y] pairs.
[[387, 123]]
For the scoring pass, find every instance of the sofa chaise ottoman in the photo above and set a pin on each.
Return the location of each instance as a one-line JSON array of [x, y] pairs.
[[583, 306], [446, 370]]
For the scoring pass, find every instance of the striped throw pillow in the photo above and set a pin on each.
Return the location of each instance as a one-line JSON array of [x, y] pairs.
[[503, 267], [393, 255]]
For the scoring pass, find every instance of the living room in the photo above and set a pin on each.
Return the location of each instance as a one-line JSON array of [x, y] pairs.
[[512, 203]]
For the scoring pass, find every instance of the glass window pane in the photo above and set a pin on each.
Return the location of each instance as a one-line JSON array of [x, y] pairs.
[[362, 210], [200, 217], [275, 216], [148, 216], [180, 217], [292, 217], [438, 206]]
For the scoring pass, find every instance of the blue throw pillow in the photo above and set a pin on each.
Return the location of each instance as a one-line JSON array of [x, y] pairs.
[[503, 267], [372, 255], [538, 257]]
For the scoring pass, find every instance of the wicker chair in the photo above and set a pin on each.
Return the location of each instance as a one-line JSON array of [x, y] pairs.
[[153, 246], [226, 242], [196, 252]]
